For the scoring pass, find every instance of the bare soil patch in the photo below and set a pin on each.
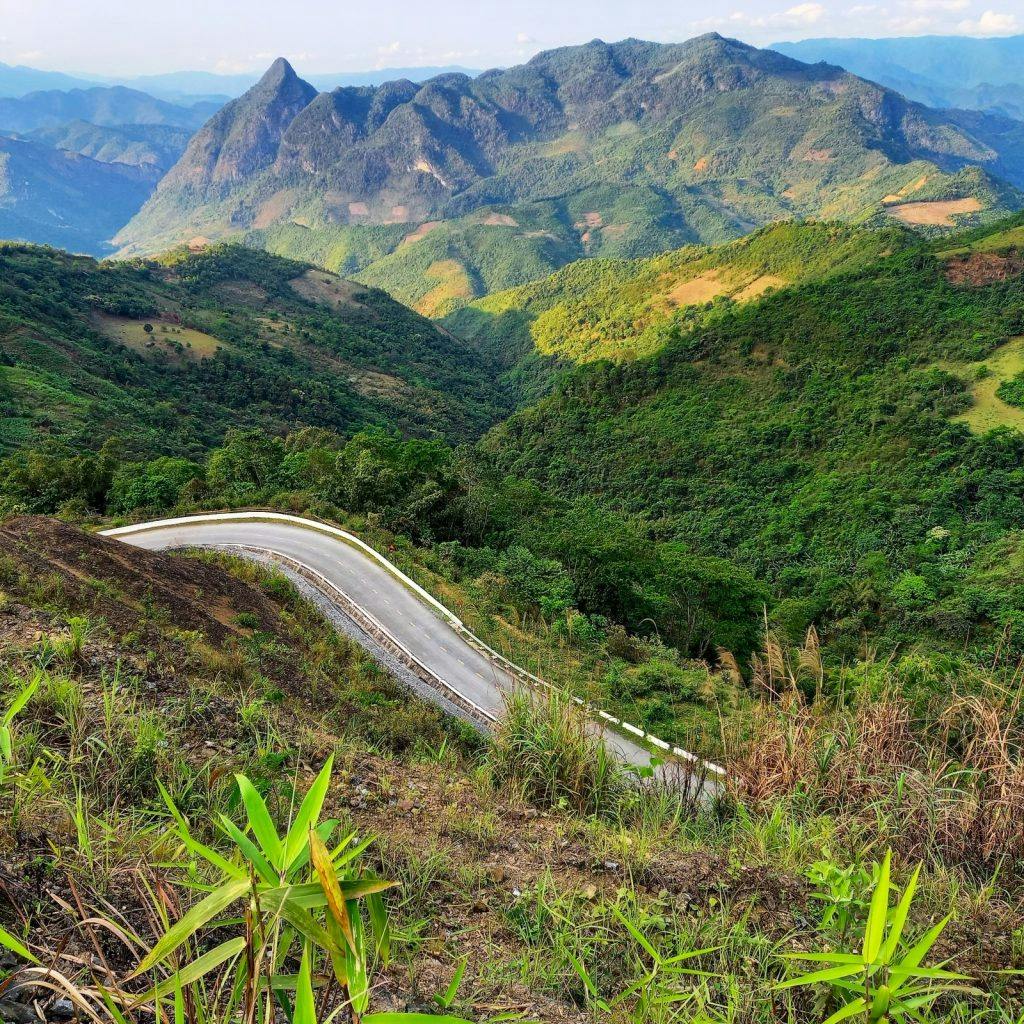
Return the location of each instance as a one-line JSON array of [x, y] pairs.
[[982, 268], [326, 289], [499, 220], [759, 286], [454, 285], [275, 208], [421, 232], [697, 290], [935, 212]]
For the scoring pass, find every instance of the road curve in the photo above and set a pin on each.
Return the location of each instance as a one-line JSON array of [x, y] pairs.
[[426, 629]]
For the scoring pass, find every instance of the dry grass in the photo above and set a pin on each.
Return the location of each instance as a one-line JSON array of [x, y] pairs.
[[326, 289], [166, 341], [950, 793]]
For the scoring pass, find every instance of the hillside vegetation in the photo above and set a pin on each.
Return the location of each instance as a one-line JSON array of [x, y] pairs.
[[619, 309], [170, 355], [172, 725], [458, 187]]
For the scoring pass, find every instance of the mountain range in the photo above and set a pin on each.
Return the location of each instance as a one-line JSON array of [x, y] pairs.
[[193, 86], [444, 191], [942, 71]]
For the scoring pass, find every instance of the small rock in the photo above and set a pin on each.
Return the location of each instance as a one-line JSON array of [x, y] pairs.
[[611, 865], [62, 1008]]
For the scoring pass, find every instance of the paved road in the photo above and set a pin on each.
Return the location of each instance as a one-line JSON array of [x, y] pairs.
[[423, 631]]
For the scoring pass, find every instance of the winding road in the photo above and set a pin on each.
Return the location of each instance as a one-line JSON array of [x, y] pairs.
[[366, 587]]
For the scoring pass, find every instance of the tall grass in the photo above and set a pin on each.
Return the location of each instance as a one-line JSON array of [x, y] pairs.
[[548, 750], [949, 789]]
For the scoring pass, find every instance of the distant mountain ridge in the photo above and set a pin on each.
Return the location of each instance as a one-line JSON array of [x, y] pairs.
[[65, 199], [442, 191], [192, 86], [102, 106], [942, 71]]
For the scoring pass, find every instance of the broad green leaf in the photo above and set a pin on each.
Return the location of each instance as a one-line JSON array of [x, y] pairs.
[[379, 926], [899, 919], [920, 949], [874, 929], [844, 1012], [305, 1010], [193, 971], [453, 988], [825, 958], [831, 974], [201, 914], [250, 851], [309, 812], [307, 926], [8, 941], [20, 701], [260, 821]]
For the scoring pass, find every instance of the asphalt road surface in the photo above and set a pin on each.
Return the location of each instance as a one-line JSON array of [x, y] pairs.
[[423, 631]]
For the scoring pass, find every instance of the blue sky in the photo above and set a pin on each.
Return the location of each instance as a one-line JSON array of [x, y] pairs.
[[111, 37]]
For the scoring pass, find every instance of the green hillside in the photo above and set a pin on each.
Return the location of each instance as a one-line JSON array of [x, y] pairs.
[[619, 309], [170, 355], [832, 437]]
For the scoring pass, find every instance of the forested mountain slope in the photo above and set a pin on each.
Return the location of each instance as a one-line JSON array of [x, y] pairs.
[[444, 191], [170, 355], [833, 437], [619, 309]]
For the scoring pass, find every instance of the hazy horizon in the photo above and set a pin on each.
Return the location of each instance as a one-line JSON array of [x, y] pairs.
[[118, 38]]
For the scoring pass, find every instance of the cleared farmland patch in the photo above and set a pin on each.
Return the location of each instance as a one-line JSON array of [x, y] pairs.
[[166, 341]]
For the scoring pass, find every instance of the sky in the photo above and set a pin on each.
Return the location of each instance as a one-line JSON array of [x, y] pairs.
[[131, 37]]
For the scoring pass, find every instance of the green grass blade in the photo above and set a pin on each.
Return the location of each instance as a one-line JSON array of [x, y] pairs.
[[8, 941], [899, 919], [308, 814], [847, 1011], [193, 971], [879, 909], [260, 822], [817, 976], [305, 1010], [201, 914]]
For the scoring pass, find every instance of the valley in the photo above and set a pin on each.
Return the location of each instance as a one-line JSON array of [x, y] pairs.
[[536, 544]]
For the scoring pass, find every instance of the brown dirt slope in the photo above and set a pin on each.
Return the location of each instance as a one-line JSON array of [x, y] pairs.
[[192, 594]]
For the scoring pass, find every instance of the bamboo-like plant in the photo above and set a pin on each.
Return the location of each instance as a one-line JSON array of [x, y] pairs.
[[886, 980], [303, 901]]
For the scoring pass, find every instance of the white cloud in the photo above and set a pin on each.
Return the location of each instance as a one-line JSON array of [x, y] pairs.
[[800, 16], [937, 5], [522, 38], [803, 14], [991, 23]]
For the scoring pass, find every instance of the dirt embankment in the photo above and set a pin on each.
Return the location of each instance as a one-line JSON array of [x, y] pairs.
[[122, 584]]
